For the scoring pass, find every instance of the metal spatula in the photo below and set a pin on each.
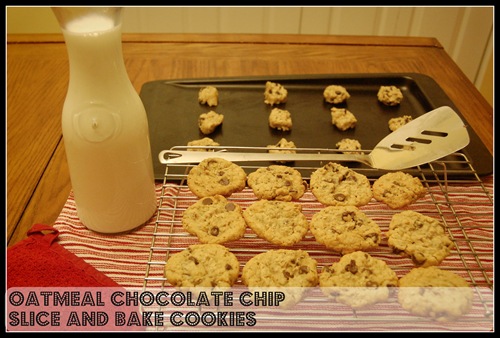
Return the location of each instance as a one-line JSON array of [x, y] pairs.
[[429, 137]]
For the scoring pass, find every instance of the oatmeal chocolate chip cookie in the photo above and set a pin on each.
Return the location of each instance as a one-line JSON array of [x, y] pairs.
[[358, 280], [432, 292], [216, 176], [207, 122], [342, 118], [398, 189], [420, 237], [283, 146], [202, 265], [349, 146], [209, 95], [204, 142], [278, 222], [282, 267], [345, 229], [277, 182], [214, 220], [285, 270], [398, 122], [280, 119], [275, 93], [390, 95], [334, 184], [336, 94]]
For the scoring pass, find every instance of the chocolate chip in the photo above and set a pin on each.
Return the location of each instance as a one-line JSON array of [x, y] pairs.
[[374, 237], [214, 231], [224, 181], [287, 274], [229, 267], [329, 269], [352, 267], [207, 201], [418, 224], [339, 197], [348, 216], [371, 284], [351, 177], [230, 206], [195, 261], [303, 269]]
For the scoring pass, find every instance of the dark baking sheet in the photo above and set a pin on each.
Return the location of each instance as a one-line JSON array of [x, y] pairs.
[[173, 109]]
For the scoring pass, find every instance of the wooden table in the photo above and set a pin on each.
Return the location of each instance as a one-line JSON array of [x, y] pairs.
[[38, 181]]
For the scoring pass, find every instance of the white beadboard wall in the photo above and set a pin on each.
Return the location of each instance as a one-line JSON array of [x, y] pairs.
[[466, 33]]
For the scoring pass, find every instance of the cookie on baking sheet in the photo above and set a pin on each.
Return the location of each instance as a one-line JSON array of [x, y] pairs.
[[275, 93], [214, 219], [334, 184], [349, 146], [336, 94], [420, 237], [398, 122], [277, 182], [345, 229], [342, 118], [216, 176], [208, 95], [398, 189], [283, 146], [279, 222], [202, 265], [280, 119], [204, 142], [432, 292], [390, 95], [358, 280], [207, 122]]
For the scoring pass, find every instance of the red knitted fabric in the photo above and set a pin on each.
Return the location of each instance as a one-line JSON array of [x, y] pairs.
[[39, 261]]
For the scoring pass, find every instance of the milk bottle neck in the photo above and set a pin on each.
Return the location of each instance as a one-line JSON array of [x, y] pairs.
[[96, 61]]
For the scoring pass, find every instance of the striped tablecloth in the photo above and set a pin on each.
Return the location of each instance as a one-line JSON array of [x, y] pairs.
[[134, 261]]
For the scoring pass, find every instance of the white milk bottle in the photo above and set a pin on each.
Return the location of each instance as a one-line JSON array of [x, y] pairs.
[[104, 125]]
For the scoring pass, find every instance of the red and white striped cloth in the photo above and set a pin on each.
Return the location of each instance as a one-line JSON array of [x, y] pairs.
[[465, 208]]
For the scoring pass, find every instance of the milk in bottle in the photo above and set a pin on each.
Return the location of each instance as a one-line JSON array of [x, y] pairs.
[[105, 128]]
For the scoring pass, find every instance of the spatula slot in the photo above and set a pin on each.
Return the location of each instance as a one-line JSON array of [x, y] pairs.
[[403, 146], [434, 133], [418, 140]]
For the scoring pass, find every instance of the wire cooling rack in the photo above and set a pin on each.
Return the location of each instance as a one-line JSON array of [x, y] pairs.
[[456, 195]]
